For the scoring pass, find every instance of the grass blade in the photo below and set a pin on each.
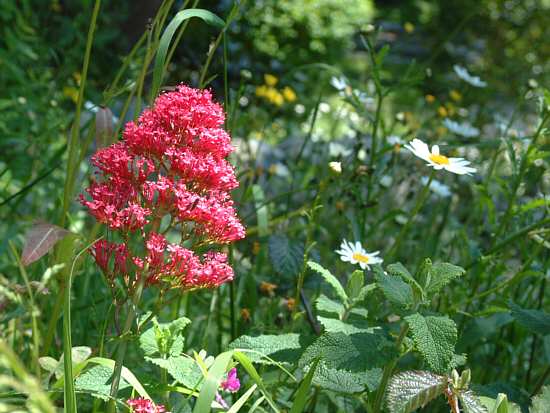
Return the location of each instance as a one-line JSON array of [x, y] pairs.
[[212, 382], [160, 60], [301, 395]]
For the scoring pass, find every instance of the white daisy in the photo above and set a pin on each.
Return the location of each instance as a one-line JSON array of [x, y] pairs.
[[457, 166], [356, 254], [462, 73], [338, 83], [462, 129]]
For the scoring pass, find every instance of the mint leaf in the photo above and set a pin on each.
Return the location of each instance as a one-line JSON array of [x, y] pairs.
[[330, 279], [440, 274], [326, 305], [435, 338], [394, 289], [282, 348]]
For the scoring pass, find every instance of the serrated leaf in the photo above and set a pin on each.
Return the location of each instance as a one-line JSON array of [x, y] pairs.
[[411, 390], [355, 284], [435, 338], [347, 382], [399, 269], [97, 382], [48, 363], [164, 335], [183, 369], [286, 255], [333, 325], [282, 348], [541, 401], [330, 279], [326, 305], [394, 289], [440, 274], [40, 239], [345, 359], [471, 403], [534, 320]]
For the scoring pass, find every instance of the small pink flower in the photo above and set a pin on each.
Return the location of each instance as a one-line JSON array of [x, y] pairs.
[[232, 383], [141, 405]]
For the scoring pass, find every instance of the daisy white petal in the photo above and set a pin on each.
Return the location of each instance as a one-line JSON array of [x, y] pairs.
[[436, 160]]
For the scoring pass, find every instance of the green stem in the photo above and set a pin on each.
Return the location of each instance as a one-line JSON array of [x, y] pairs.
[[33, 312], [121, 352], [517, 182], [75, 131], [419, 204], [388, 370]]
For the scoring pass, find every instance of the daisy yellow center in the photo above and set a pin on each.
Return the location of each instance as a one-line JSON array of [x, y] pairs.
[[439, 159], [360, 257]]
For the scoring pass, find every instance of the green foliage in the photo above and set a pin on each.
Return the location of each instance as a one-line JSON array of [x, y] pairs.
[[394, 289], [268, 349], [286, 255], [435, 338], [413, 390], [330, 279], [541, 401], [348, 362], [534, 320]]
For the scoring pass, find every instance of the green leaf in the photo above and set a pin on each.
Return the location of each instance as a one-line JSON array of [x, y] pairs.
[[183, 369], [326, 305], [160, 60], [534, 320], [246, 363], [499, 405], [439, 275], [333, 325], [355, 284], [411, 390], [330, 279], [348, 362], [435, 338], [164, 338], [282, 348], [541, 401], [212, 382], [400, 270], [394, 289], [97, 382], [242, 400], [471, 403], [300, 400], [286, 255]]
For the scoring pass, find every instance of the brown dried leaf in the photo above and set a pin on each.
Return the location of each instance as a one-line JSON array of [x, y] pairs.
[[39, 240]]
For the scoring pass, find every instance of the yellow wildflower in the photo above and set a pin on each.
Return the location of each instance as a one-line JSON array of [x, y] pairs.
[[455, 95], [71, 92], [289, 94], [430, 98], [409, 27], [441, 111], [270, 80]]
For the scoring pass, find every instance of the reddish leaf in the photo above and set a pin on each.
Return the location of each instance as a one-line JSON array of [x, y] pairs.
[[40, 239], [103, 127]]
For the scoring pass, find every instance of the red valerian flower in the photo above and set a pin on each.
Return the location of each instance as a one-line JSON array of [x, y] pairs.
[[141, 405], [168, 175]]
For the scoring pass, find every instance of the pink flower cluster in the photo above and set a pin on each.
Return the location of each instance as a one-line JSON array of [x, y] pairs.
[[141, 405], [171, 162]]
